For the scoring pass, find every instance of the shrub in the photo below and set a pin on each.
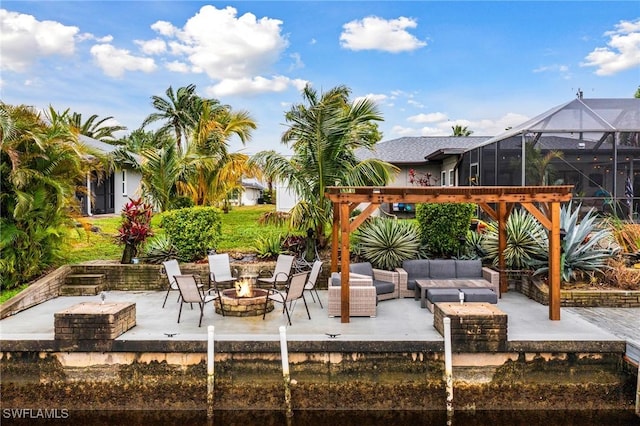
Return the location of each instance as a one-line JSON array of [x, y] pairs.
[[194, 231], [386, 243], [442, 226]]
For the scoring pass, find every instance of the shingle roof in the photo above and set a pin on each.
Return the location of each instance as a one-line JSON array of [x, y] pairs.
[[414, 149]]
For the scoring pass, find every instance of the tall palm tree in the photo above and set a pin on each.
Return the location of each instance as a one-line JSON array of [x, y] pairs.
[[459, 130], [178, 111], [323, 132]]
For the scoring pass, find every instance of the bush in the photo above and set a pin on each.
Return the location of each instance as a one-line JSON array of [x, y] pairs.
[[386, 243], [268, 246], [444, 226], [194, 231]]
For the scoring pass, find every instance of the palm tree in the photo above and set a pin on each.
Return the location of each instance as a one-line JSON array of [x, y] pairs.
[[323, 132], [178, 111], [96, 130], [41, 166], [459, 130]]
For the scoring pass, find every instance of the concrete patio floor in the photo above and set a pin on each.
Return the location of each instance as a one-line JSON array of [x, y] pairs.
[[397, 320]]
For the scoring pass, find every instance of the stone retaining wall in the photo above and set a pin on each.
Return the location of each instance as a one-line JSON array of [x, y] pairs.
[[43, 289], [581, 298]]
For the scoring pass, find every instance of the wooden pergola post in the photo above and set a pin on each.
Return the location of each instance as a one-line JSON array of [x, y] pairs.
[[346, 199]]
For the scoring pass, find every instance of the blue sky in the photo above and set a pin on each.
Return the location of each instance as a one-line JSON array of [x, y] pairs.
[[428, 64]]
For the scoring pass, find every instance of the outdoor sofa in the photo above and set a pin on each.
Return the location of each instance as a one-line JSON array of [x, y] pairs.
[[385, 282], [445, 278], [362, 296]]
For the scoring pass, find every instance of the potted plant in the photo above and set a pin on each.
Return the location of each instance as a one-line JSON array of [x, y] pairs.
[[135, 228]]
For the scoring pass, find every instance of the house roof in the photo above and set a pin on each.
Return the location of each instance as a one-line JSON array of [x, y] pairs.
[[252, 184], [419, 149], [97, 144]]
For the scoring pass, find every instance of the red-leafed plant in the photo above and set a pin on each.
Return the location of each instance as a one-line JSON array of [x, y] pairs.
[[135, 228]]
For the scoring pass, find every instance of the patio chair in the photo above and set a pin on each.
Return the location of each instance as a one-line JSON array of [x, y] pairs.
[[171, 269], [220, 270], [282, 272], [310, 286], [191, 292], [293, 292]]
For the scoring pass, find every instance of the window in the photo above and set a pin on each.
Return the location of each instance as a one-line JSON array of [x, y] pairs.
[[443, 178], [473, 174], [124, 183], [452, 177]]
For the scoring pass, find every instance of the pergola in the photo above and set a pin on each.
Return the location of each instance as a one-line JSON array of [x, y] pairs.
[[543, 202]]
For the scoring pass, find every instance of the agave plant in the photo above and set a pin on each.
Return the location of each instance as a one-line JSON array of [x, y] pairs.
[[268, 246], [586, 248], [526, 241], [386, 243], [159, 249]]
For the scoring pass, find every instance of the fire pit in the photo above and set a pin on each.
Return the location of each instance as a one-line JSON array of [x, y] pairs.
[[244, 300]]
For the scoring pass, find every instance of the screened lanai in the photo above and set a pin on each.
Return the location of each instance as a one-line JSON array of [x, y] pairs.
[[593, 144]]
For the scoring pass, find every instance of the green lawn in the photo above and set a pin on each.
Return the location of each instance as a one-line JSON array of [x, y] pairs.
[[240, 228]]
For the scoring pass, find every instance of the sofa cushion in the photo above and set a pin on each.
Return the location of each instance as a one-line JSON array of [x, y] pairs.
[[479, 295], [416, 269], [442, 268], [468, 268], [435, 295], [362, 268], [384, 287]]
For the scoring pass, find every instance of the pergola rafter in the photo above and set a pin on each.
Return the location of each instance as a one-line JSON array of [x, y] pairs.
[[346, 199]]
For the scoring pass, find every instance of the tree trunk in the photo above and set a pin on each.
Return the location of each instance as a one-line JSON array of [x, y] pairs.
[[130, 251]]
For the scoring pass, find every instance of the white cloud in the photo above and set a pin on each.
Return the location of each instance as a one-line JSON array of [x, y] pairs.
[[152, 47], [177, 66], [622, 51], [374, 33], [433, 117], [24, 40], [114, 62], [253, 86], [562, 70], [374, 97], [225, 46], [297, 62]]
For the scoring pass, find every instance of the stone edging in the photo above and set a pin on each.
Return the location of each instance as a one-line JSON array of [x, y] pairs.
[[581, 298]]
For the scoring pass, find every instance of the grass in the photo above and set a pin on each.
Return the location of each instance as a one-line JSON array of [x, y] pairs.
[[240, 229]]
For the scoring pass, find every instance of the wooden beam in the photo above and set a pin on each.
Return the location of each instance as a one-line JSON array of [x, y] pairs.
[[541, 216], [489, 210], [554, 263], [335, 237], [344, 263], [502, 245], [363, 216]]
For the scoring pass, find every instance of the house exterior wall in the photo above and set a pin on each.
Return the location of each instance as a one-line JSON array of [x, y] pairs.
[[249, 196], [286, 198], [127, 185]]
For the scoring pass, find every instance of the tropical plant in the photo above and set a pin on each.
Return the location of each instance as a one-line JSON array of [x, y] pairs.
[[459, 130], [268, 246], [323, 133], [100, 129], [159, 249], [177, 111], [527, 241], [443, 227], [135, 228], [386, 243], [41, 166], [585, 247]]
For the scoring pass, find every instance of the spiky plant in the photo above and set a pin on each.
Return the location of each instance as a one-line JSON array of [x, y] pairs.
[[586, 248], [268, 246], [159, 249], [386, 243], [526, 241]]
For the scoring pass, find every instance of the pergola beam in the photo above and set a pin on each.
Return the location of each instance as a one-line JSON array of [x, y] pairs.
[[345, 199]]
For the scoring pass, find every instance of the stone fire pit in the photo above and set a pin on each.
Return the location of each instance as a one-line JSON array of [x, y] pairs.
[[244, 306]]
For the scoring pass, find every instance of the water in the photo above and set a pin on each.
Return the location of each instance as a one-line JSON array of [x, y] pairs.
[[341, 418]]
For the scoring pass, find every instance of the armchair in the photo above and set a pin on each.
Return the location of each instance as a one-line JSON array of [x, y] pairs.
[[385, 282]]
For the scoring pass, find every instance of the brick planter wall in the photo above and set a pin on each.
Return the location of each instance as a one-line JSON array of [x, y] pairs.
[[581, 298]]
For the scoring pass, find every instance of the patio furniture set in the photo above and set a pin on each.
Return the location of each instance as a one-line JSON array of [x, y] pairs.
[[428, 280], [243, 297]]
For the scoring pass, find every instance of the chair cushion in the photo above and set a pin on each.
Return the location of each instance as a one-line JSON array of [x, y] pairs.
[[384, 287], [362, 268], [468, 268], [442, 268], [416, 268]]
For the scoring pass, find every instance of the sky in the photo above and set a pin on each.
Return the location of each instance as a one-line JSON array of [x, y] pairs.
[[429, 65]]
